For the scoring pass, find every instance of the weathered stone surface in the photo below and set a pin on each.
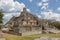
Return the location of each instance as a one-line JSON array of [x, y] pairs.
[[47, 38], [23, 24], [2, 39], [1, 36]]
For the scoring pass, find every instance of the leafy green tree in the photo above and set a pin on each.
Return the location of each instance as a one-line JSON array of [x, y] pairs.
[[53, 23], [56, 24], [1, 19]]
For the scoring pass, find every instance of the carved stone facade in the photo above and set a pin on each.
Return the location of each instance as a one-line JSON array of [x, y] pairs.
[[26, 22]]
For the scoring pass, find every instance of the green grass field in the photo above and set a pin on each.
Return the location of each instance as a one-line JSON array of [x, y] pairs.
[[31, 37]]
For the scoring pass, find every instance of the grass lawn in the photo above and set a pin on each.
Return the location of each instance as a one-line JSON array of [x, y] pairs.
[[31, 37]]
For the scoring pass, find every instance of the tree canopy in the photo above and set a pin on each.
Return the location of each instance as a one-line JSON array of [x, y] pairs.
[[1, 19]]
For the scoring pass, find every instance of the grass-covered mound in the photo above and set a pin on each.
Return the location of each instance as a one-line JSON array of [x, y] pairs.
[[31, 37]]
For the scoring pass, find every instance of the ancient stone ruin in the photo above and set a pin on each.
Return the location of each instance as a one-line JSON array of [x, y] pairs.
[[26, 24]]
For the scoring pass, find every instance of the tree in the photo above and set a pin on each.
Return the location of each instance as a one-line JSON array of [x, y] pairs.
[[56, 24], [1, 19]]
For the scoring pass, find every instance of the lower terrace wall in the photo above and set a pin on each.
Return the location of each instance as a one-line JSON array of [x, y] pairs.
[[31, 32]]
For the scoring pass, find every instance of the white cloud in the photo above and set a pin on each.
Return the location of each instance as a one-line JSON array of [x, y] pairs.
[[43, 7], [39, 16], [8, 16], [11, 5], [30, 0], [45, 0], [51, 15], [43, 4], [46, 13], [39, 4], [58, 8], [11, 8], [28, 10]]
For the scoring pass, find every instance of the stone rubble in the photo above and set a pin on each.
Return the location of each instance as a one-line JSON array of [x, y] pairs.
[[47, 38]]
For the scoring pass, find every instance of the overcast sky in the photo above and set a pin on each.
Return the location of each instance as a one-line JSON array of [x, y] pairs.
[[47, 9]]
